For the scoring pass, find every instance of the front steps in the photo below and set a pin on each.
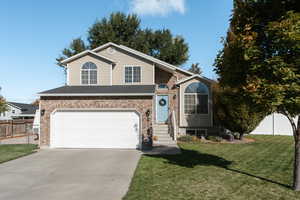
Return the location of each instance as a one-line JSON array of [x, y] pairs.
[[162, 136], [164, 143]]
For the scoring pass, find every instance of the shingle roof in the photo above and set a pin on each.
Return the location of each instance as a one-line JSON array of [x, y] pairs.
[[101, 90], [26, 109]]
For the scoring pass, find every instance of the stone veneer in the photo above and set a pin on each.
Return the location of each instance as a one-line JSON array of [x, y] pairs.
[[140, 103]]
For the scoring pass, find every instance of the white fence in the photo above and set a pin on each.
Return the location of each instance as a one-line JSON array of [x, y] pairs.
[[274, 124]]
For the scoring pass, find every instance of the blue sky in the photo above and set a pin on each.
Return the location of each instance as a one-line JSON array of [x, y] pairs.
[[34, 32]]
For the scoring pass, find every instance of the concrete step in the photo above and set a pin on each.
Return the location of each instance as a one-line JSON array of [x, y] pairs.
[[160, 125], [161, 131], [160, 128], [163, 136]]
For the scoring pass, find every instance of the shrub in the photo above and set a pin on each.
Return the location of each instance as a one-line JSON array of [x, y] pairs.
[[234, 112], [228, 137], [188, 138], [214, 138]]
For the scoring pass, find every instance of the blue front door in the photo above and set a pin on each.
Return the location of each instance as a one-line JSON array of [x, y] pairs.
[[162, 108]]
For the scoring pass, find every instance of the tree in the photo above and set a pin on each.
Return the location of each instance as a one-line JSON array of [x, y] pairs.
[[261, 59], [234, 113], [126, 30], [76, 46], [195, 68], [36, 102], [3, 105]]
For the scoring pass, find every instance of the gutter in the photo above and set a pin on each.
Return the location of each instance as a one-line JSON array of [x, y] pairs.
[[93, 94]]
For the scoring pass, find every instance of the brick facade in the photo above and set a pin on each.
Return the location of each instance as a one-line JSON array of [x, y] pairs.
[[141, 104]]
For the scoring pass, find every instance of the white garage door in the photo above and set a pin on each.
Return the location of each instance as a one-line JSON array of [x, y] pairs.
[[94, 129]]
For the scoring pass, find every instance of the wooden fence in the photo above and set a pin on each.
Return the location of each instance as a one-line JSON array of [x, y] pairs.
[[12, 128]]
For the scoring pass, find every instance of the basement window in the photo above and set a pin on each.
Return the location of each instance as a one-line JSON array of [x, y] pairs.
[[196, 132]]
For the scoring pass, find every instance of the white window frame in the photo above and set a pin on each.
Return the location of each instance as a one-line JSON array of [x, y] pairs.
[[196, 103], [89, 75], [124, 74]]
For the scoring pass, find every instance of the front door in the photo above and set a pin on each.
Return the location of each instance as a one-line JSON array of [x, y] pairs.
[[162, 108]]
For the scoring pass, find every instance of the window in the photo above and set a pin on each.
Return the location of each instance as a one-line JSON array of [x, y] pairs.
[[196, 132], [89, 74], [196, 99], [132, 74], [162, 86], [13, 111]]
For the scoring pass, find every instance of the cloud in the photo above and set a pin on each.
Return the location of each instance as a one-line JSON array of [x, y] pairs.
[[157, 7]]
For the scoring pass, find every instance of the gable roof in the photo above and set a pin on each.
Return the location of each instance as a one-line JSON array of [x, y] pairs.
[[26, 109], [79, 55], [192, 77], [166, 65]]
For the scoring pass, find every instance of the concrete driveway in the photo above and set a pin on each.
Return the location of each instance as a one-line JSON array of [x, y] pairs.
[[69, 174]]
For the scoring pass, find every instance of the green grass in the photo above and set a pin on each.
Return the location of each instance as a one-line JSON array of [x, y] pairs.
[[259, 170], [13, 151]]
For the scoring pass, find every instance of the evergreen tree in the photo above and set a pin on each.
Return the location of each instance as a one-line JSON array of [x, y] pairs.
[[195, 68]]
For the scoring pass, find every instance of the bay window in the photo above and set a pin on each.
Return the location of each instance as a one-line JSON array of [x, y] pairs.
[[196, 99]]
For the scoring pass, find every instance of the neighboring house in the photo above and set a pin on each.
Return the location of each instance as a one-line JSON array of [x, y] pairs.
[[117, 97], [18, 111], [274, 124]]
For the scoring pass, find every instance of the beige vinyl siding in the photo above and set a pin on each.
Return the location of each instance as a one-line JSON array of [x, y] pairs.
[[195, 120], [123, 59], [103, 70]]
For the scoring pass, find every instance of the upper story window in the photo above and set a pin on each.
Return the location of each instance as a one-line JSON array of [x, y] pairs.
[[89, 74], [132, 74], [162, 86], [196, 99]]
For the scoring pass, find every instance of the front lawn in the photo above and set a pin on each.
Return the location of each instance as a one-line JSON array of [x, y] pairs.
[[259, 170], [13, 151]]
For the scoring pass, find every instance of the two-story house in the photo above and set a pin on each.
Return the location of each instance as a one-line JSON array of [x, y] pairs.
[[117, 97]]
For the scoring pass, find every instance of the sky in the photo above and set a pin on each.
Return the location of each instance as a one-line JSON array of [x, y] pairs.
[[33, 33]]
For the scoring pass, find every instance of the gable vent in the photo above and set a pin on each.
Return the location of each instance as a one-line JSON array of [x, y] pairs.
[[111, 50]]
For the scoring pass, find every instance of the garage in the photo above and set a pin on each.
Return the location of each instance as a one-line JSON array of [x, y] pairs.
[[94, 129]]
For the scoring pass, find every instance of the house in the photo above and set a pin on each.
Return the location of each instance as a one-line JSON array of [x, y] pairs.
[[18, 111], [117, 97]]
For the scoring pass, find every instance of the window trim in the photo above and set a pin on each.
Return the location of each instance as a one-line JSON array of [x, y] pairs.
[[196, 100], [124, 74], [88, 70]]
